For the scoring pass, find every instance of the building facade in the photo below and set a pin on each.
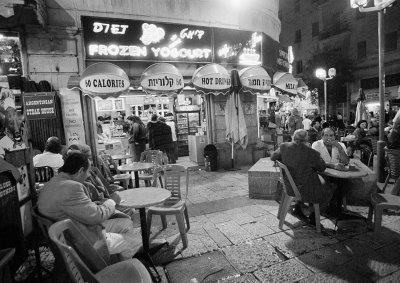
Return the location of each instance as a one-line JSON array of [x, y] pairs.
[[314, 25], [54, 46]]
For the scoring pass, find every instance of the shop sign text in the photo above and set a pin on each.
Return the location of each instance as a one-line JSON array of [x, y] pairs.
[[39, 106], [258, 83], [216, 82], [163, 82], [102, 83]]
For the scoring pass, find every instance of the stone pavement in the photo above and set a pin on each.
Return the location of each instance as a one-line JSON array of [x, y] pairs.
[[223, 218]]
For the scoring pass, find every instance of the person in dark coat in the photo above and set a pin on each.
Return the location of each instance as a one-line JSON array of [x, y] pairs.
[[160, 135], [303, 163]]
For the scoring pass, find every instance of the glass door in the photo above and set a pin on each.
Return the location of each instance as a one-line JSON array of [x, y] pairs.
[[182, 123]]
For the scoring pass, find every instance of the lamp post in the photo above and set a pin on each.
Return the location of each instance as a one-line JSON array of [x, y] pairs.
[[321, 74], [379, 6]]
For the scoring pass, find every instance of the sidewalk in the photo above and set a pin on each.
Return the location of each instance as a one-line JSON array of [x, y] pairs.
[[246, 232]]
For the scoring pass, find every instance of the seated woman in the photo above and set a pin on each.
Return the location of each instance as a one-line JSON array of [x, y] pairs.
[[362, 142]]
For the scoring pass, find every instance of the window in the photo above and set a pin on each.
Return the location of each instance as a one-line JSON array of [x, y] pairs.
[[315, 29], [361, 50], [391, 41], [297, 36], [297, 5], [299, 66]]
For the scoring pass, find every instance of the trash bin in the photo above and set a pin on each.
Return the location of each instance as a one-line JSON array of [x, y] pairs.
[[211, 153]]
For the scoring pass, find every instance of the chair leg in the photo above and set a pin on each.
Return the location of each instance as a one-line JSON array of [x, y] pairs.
[[317, 217], [149, 218], [386, 182], [378, 221], [164, 221], [187, 218], [344, 202], [181, 224], [281, 202], [285, 208]]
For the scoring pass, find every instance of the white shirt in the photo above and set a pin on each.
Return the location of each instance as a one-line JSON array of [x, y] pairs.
[[171, 124], [321, 148], [306, 124], [53, 160]]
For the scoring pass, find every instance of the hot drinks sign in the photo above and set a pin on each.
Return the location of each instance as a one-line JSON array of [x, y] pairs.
[[130, 40]]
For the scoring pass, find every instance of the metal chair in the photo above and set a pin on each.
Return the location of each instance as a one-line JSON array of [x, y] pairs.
[[85, 264], [374, 144], [176, 204], [286, 199], [150, 156]]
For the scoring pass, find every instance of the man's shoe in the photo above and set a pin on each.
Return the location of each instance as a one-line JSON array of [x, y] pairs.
[[298, 212]]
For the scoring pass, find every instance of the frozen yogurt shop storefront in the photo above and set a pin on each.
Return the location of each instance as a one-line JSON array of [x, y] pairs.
[[153, 67]]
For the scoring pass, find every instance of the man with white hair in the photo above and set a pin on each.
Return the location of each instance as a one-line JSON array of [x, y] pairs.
[[303, 163]]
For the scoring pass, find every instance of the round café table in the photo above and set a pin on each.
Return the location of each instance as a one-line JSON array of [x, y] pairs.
[[136, 167], [121, 157], [140, 199], [356, 172]]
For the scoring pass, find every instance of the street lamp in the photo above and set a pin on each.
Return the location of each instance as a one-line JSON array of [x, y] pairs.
[[379, 6], [321, 74]]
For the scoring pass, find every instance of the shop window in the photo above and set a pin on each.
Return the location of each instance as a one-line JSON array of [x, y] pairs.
[[391, 41], [361, 50], [297, 36], [10, 54], [299, 66], [315, 29]]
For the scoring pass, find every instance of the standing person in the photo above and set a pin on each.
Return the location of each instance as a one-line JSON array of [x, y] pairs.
[[339, 119], [313, 187], [294, 121], [170, 122], [137, 137], [160, 135], [51, 156], [306, 123]]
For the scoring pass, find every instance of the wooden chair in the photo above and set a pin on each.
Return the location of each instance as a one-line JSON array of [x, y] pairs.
[[176, 204], [287, 200], [84, 263], [150, 156], [118, 177]]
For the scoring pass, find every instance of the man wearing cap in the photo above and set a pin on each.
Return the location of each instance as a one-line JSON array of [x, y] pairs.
[[303, 163]]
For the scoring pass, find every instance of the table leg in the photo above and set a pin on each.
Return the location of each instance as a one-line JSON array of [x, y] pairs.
[[136, 179], [145, 240]]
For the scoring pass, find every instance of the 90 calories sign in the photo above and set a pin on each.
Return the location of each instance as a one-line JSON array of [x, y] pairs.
[[39, 106]]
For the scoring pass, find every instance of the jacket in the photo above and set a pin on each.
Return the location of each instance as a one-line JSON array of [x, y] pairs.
[[160, 135], [303, 163]]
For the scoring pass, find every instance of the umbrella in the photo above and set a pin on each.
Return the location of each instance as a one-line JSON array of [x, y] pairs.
[[361, 111], [236, 130]]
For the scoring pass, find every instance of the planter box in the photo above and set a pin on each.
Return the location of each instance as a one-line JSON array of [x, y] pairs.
[[263, 180]]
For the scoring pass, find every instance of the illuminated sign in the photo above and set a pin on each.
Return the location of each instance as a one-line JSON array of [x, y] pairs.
[[104, 83], [237, 47], [130, 40]]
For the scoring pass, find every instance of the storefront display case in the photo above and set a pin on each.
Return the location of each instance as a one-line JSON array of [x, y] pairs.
[[187, 124]]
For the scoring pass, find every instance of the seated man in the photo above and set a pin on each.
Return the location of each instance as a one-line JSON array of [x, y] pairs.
[[65, 197], [97, 184], [303, 163], [332, 151], [51, 156]]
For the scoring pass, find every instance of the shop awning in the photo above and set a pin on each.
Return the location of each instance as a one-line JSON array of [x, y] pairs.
[[161, 78], [302, 88], [255, 80], [212, 78], [285, 82], [104, 80]]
